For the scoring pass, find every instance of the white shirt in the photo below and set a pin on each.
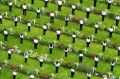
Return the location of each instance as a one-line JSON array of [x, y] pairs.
[[50, 46], [88, 9], [72, 70], [38, 10], [96, 59], [29, 24], [81, 22], [35, 40], [112, 63], [111, 29], [46, 0], [96, 25], [15, 19], [103, 13], [117, 17], [74, 35], [81, 55], [58, 32], [59, 2], [26, 56], [52, 14], [31, 76], [14, 73], [41, 60], [5, 32], [57, 65], [0, 16], [104, 43], [24, 7], [9, 52], [88, 74], [44, 27], [87, 40], [118, 48], [73, 7], [67, 19], [21, 36], [110, 1], [66, 50], [10, 3]]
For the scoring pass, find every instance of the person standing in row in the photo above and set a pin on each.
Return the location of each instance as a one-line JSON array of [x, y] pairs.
[[26, 58], [111, 30], [88, 75], [31, 76], [44, 29], [73, 37], [73, 9], [35, 43], [88, 42], [41, 62], [38, 12], [0, 18], [10, 5], [66, 20], [72, 72], [29, 26], [57, 64], [103, 15], [46, 3], [59, 5], [109, 4], [5, 34], [95, 2], [81, 24], [96, 59], [112, 65], [96, 28], [117, 20], [52, 15], [66, 51], [9, 54], [21, 38], [50, 48], [80, 57], [58, 34], [32, 1], [15, 21], [88, 12], [24, 9], [14, 74], [104, 46], [118, 50]]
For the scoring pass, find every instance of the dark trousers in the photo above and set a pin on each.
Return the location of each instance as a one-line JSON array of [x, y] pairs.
[[81, 26], [88, 77], [103, 17], [0, 21], [109, 6], [66, 23], [52, 20], [59, 7], [25, 60], [58, 36], [14, 76], [44, 31], [73, 11], [21, 40], [80, 59], [73, 41], [15, 23], [10, 8], [81, 1], [5, 37], [65, 54], [95, 1], [38, 15], [88, 14], [88, 44], [103, 48], [96, 29], [72, 74], [118, 52], [96, 63], [41, 64], [117, 22], [50, 50], [24, 11], [9, 56], [32, 1], [46, 2], [28, 28], [35, 45], [112, 68], [57, 68], [110, 34]]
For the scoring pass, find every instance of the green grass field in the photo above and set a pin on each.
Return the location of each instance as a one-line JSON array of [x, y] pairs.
[[45, 72]]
